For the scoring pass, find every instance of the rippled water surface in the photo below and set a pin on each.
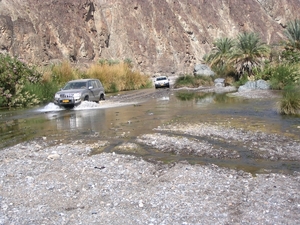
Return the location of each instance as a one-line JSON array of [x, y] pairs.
[[120, 122]]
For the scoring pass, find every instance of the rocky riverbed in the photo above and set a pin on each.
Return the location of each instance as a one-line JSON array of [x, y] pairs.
[[55, 182], [64, 184]]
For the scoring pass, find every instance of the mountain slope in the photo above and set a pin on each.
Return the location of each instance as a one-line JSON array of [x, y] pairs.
[[159, 36]]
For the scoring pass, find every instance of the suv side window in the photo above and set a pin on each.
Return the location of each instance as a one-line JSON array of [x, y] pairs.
[[94, 84], [90, 84], [99, 83]]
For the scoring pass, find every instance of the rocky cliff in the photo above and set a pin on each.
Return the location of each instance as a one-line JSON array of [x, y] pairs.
[[159, 36]]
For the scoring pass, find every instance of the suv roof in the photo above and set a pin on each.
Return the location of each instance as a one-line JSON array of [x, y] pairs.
[[78, 80]]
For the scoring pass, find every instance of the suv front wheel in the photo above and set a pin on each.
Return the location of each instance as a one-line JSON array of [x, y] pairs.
[[102, 97]]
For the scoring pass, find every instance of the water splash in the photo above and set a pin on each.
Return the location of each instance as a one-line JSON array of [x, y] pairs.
[[87, 105], [51, 107]]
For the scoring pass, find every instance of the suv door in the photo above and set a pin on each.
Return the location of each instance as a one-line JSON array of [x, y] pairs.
[[94, 90]]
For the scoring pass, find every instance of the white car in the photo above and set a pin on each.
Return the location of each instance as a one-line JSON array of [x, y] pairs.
[[162, 81]]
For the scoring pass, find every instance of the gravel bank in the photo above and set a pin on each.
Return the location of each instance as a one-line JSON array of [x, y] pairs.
[[196, 139], [52, 183], [63, 184]]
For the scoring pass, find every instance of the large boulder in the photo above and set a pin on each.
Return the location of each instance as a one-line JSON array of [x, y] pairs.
[[255, 85], [203, 70]]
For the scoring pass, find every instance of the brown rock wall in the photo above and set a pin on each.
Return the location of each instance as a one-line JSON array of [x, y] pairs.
[[160, 37]]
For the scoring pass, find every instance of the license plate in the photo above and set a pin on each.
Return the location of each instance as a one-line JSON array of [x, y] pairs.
[[65, 101]]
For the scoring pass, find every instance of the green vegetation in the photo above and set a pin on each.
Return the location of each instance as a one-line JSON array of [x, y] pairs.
[[290, 102], [292, 33], [247, 58], [193, 81], [22, 86], [14, 76], [249, 52], [239, 56]]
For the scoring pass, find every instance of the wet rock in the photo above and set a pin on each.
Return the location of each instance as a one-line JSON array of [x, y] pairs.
[[254, 85], [203, 70]]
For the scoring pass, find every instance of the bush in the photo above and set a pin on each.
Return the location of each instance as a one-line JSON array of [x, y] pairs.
[[185, 81], [290, 102], [44, 91], [243, 80], [193, 81], [14, 74], [283, 75]]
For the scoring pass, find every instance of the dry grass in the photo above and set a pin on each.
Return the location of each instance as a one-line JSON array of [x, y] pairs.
[[62, 73], [118, 77], [114, 77]]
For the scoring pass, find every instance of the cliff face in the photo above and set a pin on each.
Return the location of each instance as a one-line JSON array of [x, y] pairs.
[[159, 36]]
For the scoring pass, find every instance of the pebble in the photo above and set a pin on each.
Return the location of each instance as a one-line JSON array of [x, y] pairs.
[[53, 156]]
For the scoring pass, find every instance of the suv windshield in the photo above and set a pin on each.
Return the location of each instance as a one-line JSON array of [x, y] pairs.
[[75, 85], [161, 78]]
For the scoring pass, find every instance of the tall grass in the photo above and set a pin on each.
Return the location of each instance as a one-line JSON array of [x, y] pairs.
[[62, 73], [118, 77], [290, 102]]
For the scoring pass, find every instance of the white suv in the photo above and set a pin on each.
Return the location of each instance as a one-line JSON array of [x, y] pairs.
[[162, 81]]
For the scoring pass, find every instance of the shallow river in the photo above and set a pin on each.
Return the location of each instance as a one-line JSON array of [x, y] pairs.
[[123, 122]]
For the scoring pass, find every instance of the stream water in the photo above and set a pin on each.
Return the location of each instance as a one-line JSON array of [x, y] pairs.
[[123, 122]]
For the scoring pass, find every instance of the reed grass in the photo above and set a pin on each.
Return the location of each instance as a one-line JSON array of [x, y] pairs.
[[290, 102], [118, 77]]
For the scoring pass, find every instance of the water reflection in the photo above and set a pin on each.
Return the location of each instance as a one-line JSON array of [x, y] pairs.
[[205, 99], [74, 120]]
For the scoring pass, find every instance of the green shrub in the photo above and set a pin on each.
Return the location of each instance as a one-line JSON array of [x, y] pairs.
[[193, 81], [283, 75], [243, 80], [184, 80], [14, 74], [291, 56], [290, 102], [44, 91]]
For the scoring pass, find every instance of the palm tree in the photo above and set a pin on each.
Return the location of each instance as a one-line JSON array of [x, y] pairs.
[[220, 53], [249, 52], [292, 32]]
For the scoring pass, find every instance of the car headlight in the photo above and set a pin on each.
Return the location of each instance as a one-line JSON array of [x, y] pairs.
[[57, 95], [77, 95]]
